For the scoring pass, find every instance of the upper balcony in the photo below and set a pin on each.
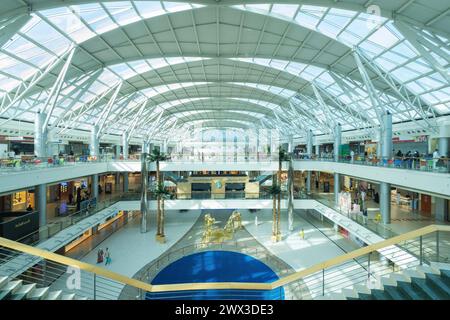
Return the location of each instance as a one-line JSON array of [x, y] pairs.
[[422, 175]]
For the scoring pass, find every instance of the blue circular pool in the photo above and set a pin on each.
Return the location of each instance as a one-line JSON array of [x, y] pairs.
[[217, 266]]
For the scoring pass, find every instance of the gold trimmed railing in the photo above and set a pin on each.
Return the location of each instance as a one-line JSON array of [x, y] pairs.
[[413, 240]]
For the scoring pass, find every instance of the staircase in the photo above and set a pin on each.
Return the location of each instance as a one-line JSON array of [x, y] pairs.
[[19, 290], [419, 283]]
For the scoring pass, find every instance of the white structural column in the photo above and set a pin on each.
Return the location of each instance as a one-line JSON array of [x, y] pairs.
[[40, 150], [443, 145], [164, 146], [94, 146], [144, 187], [247, 147], [94, 149], [291, 184], [337, 176], [257, 144], [95, 186], [309, 151], [386, 153], [40, 136], [117, 178], [235, 144], [441, 207], [224, 145], [125, 157]]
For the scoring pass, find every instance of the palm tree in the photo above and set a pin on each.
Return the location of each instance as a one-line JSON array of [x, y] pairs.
[[274, 191], [157, 156], [163, 194]]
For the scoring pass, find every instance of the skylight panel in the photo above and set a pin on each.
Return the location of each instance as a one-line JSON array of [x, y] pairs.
[[309, 18], [7, 84], [258, 7], [419, 65], [386, 64], [429, 83], [383, 37], [15, 68], [103, 25], [176, 6], [67, 19], [405, 74], [149, 9], [359, 28], [442, 108], [123, 12], [430, 98], [285, 10]]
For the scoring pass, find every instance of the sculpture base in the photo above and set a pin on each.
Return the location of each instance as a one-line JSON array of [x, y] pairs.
[[276, 238], [161, 238]]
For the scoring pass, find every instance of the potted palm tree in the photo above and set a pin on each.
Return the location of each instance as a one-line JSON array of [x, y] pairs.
[[157, 156], [163, 194], [275, 191]]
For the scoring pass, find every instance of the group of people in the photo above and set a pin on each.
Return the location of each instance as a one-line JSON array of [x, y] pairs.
[[103, 256], [412, 159]]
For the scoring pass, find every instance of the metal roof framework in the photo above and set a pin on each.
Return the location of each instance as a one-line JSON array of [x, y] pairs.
[[286, 66]]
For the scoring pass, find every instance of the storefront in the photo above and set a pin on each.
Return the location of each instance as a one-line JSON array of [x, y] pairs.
[[17, 201], [121, 218]]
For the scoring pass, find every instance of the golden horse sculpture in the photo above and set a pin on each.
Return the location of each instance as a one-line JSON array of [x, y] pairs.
[[217, 235]]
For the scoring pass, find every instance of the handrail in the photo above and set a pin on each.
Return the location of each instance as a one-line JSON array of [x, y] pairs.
[[74, 263], [223, 285]]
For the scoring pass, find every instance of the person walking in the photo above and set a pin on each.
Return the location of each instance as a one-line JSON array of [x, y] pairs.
[[107, 257], [435, 158], [100, 255], [302, 234]]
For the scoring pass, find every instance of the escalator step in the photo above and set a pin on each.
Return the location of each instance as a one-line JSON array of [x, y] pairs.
[[410, 292], [421, 284], [437, 282], [364, 296], [445, 275], [380, 295], [395, 293]]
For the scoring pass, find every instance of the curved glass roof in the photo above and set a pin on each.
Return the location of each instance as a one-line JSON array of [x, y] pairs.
[[274, 65]]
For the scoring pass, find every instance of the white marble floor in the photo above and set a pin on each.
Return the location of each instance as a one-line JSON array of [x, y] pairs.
[[297, 252], [131, 250]]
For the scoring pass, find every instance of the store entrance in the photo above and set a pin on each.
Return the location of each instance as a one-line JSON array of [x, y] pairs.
[[234, 190], [201, 190]]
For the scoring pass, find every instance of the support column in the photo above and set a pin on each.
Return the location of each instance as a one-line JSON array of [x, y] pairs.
[[125, 157], [257, 144], [224, 145], [443, 145], [164, 146], [40, 136], [235, 147], [125, 145], [386, 153], [94, 146], [247, 148], [95, 186], [40, 193], [144, 187], [40, 150], [291, 184], [337, 176], [441, 211], [309, 151]]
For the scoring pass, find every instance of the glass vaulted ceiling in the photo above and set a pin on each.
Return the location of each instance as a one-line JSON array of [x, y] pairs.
[[50, 33]]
